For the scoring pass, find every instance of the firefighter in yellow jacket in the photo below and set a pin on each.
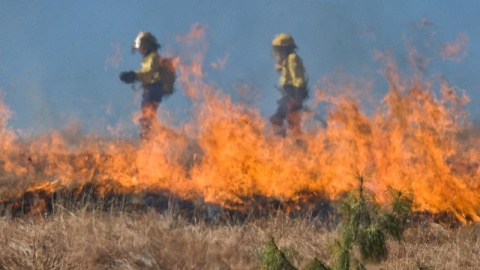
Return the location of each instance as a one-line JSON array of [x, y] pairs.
[[150, 76], [292, 85]]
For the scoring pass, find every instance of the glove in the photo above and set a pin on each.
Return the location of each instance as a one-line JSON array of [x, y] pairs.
[[128, 76]]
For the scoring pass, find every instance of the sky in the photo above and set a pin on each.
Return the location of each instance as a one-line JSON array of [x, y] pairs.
[[60, 60]]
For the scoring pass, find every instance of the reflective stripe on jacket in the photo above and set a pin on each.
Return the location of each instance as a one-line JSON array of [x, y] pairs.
[[150, 71], [293, 72]]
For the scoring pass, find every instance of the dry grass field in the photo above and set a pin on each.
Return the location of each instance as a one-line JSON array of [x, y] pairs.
[[90, 239], [237, 165]]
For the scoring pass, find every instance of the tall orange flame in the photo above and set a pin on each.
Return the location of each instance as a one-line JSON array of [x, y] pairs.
[[226, 154]]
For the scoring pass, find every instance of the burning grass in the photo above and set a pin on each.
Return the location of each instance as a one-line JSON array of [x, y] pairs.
[[418, 140], [210, 192]]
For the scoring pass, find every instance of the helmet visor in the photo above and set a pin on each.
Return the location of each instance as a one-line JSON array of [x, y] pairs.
[[136, 42]]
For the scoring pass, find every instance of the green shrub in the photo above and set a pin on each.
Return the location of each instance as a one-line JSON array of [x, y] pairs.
[[364, 227], [273, 258]]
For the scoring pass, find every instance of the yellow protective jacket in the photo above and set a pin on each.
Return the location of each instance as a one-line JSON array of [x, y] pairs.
[[293, 72], [150, 71]]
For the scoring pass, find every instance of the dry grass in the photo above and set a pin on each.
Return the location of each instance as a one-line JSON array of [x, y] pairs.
[[149, 240]]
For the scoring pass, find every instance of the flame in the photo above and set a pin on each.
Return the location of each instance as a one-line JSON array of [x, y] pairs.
[[226, 154]]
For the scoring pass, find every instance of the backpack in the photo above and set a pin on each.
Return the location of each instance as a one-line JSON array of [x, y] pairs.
[[168, 74]]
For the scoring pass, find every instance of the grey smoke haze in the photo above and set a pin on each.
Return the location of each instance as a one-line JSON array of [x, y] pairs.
[[61, 60]]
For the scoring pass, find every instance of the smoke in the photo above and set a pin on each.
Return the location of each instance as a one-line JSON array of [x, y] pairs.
[[220, 63], [114, 59], [5, 114], [457, 49]]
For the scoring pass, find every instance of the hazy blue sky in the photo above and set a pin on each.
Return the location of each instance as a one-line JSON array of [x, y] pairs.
[[54, 54]]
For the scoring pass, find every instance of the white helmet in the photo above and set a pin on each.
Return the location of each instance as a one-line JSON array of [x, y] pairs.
[[144, 37]]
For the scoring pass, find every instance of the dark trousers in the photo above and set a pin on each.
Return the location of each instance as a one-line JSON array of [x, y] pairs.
[[151, 98], [289, 109]]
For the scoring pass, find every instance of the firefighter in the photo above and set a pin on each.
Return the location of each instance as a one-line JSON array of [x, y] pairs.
[[292, 85], [150, 76]]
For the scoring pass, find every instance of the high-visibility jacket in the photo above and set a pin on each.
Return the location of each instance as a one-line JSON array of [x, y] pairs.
[[150, 71], [293, 72]]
